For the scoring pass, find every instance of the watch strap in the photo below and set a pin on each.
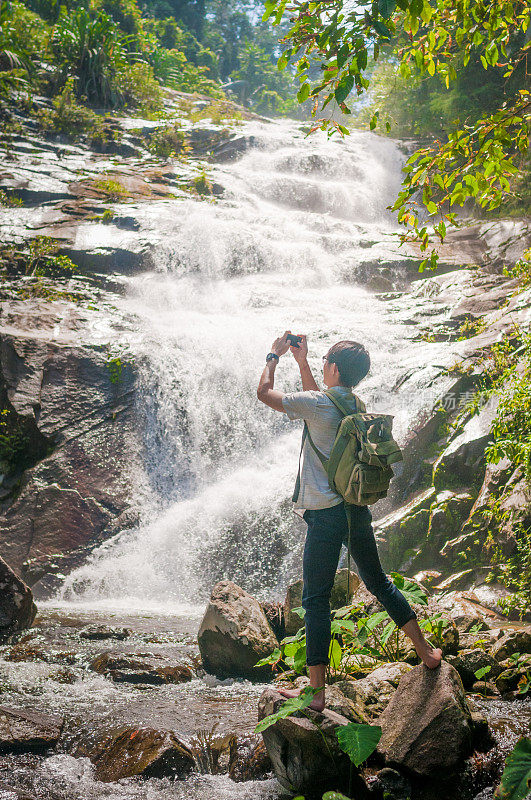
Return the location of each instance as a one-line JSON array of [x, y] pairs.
[[272, 356]]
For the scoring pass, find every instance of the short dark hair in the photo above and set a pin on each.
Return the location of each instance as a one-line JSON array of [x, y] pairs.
[[352, 360]]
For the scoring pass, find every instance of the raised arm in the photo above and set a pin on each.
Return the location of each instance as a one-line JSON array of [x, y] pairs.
[[300, 354], [266, 393]]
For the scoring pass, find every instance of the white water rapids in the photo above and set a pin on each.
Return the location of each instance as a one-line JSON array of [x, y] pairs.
[[280, 250]]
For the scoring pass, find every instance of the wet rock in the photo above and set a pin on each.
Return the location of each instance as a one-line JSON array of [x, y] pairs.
[[463, 460], [427, 727], [11, 793], [300, 752], [141, 668], [485, 688], [125, 752], [428, 577], [28, 731], [338, 598], [518, 641], [99, 632], [235, 634], [468, 662], [373, 693], [26, 652], [465, 610], [401, 529], [231, 149], [17, 609], [514, 673], [250, 761], [70, 498], [392, 785]]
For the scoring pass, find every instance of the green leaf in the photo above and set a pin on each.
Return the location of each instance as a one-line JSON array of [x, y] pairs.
[[272, 658], [431, 207], [480, 673], [410, 590], [516, 779], [343, 89], [292, 705], [334, 654], [303, 93], [299, 611], [299, 660], [358, 741], [386, 7]]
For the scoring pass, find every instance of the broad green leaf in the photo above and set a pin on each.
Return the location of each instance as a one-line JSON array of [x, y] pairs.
[[386, 7], [334, 654], [480, 673], [299, 659], [516, 779], [272, 658], [303, 93], [300, 612], [358, 741], [344, 88], [410, 590], [288, 708]]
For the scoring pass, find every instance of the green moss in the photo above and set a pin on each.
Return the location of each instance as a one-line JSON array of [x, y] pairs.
[[114, 190]]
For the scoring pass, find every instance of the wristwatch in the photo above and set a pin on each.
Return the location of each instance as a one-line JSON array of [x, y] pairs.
[[271, 356]]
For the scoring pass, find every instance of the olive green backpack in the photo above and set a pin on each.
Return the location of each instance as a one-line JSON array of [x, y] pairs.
[[359, 465]]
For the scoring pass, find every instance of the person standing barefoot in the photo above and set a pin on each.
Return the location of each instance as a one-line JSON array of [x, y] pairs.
[[344, 366]]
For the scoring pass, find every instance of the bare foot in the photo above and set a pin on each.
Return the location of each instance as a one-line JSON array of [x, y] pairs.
[[429, 655], [317, 704]]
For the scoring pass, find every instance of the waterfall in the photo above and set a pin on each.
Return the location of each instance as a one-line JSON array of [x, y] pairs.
[[279, 250]]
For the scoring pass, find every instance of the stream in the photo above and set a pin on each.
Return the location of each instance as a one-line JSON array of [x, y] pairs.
[[283, 248]]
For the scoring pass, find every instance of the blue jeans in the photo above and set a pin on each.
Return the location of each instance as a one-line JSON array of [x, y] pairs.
[[327, 531]]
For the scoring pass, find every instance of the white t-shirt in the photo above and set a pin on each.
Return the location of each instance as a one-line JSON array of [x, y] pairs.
[[322, 418]]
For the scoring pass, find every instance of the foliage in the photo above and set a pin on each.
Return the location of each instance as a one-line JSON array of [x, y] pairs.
[[71, 117], [15, 54], [202, 184], [516, 779], [115, 191], [138, 88], [9, 200], [90, 47], [167, 141], [288, 708], [218, 111], [358, 741], [357, 638], [521, 270], [260, 83], [480, 155]]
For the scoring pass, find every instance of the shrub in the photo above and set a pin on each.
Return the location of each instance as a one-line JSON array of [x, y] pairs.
[[89, 46], [218, 111], [71, 117], [139, 89], [167, 142], [114, 190], [9, 200]]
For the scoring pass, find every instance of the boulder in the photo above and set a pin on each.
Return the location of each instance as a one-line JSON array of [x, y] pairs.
[[465, 610], [251, 761], [513, 672], [468, 662], [23, 731], [391, 785], [17, 609], [125, 752], [338, 598], [235, 634], [11, 793], [401, 529], [374, 692], [517, 641], [463, 460], [305, 758], [427, 727], [141, 668]]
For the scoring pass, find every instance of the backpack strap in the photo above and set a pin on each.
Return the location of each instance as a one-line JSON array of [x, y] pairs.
[[322, 458]]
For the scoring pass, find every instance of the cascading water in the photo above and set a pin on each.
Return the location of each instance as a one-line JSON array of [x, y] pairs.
[[280, 250]]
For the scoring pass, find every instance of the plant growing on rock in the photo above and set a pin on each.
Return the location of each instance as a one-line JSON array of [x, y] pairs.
[[71, 117]]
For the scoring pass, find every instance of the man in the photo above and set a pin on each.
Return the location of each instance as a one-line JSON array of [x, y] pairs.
[[345, 365]]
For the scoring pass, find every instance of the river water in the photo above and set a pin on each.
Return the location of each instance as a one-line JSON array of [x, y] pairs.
[[299, 221]]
